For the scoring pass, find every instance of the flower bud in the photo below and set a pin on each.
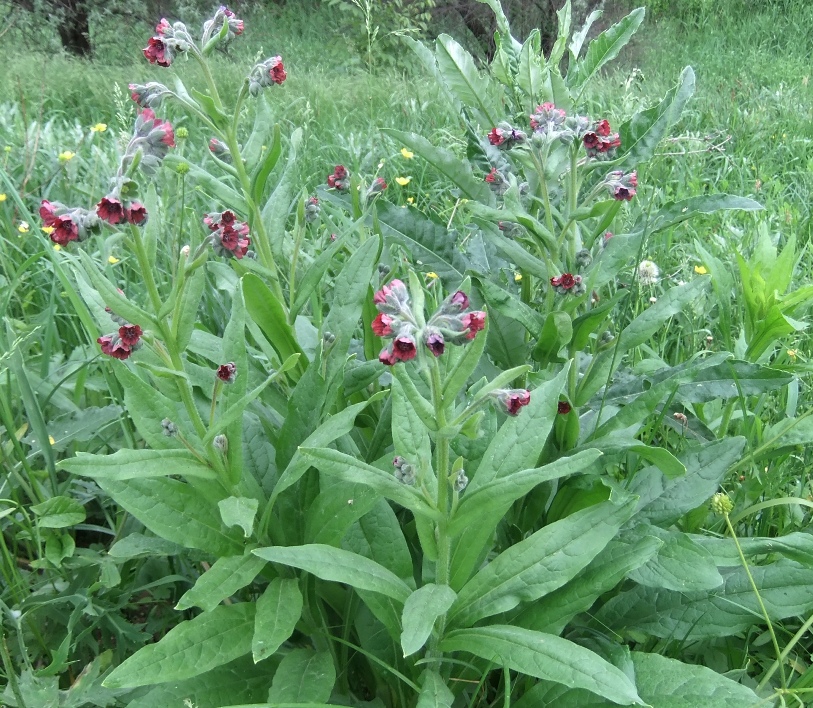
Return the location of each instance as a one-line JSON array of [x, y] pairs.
[[404, 472], [583, 258], [461, 481], [721, 504], [511, 400], [312, 210], [378, 186], [220, 150], [169, 428], [221, 443], [433, 339], [227, 373]]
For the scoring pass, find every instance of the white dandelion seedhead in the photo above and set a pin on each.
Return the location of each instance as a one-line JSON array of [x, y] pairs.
[[648, 273]]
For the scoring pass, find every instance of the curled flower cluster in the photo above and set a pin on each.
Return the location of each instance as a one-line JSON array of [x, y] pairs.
[[497, 181], [112, 210], [227, 373], [229, 237], [505, 136], [152, 137], [568, 283], [340, 179], [148, 95], [122, 343], [548, 119], [378, 186], [66, 224], [212, 27], [511, 399], [622, 185], [220, 150], [312, 209], [169, 40], [268, 72], [600, 143], [396, 321], [404, 472]]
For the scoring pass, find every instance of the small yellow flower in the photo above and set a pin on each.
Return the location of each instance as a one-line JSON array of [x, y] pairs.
[[98, 128], [3, 197], [51, 439], [7, 148], [48, 229], [57, 247], [403, 181], [410, 200], [517, 277], [700, 270], [66, 156], [408, 155], [23, 227], [112, 260], [432, 275], [792, 354]]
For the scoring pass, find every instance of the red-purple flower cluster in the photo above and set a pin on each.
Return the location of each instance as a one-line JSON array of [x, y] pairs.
[[212, 27], [568, 283], [220, 150], [378, 186], [340, 179], [229, 237], [312, 209], [496, 180], [512, 399], [397, 322], [113, 211], [153, 136], [148, 95], [505, 136], [547, 118], [67, 224], [169, 39], [122, 343], [600, 142], [622, 185], [268, 72]]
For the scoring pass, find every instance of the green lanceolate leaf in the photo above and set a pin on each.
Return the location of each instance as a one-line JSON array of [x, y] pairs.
[[138, 464], [681, 564], [464, 365], [260, 133], [539, 564], [511, 306], [305, 677], [275, 212], [604, 49], [529, 74], [421, 609], [555, 334], [278, 611], [190, 648], [175, 511], [674, 213], [239, 511], [59, 513], [796, 546], [544, 656], [188, 314], [338, 565], [460, 74], [226, 576], [786, 589], [434, 691]]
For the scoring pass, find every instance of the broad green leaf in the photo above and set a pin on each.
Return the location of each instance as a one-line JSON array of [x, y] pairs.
[[137, 464], [511, 306], [58, 513], [410, 436], [544, 656], [335, 509], [529, 75], [239, 680], [797, 546], [278, 611], [681, 564], [304, 677], [494, 499], [175, 511], [427, 57], [314, 275], [604, 49], [786, 589], [352, 470], [275, 212], [188, 315], [434, 691], [663, 501], [239, 511], [540, 563], [421, 609], [137, 545], [461, 76], [772, 327], [457, 171], [674, 213], [190, 648], [338, 565], [464, 365], [422, 407], [557, 331], [622, 554], [226, 576], [257, 144], [641, 134]]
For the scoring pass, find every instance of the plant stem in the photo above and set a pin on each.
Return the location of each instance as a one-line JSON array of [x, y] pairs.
[[778, 651]]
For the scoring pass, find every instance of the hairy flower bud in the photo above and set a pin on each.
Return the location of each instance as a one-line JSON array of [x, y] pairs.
[[461, 481], [312, 210], [340, 179], [721, 504], [511, 400], [169, 428]]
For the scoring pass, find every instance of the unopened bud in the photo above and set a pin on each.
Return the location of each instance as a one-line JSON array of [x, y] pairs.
[[721, 504], [221, 443], [461, 482], [169, 428]]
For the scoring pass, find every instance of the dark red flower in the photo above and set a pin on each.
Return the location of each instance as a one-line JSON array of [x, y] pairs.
[[378, 185], [110, 209], [65, 230], [556, 281], [495, 137], [381, 325], [47, 213], [603, 127], [136, 213], [515, 399], [474, 322], [227, 372], [130, 334], [435, 343], [563, 408], [277, 71], [567, 281], [624, 194], [492, 176], [113, 346], [163, 27], [387, 356], [591, 141], [404, 349], [157, 52], [380, 297]]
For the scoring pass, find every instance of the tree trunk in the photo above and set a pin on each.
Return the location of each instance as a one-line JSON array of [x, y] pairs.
[[74, 27]]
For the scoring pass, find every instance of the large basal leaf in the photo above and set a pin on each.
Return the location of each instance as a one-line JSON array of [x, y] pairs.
[[681, 564], [544, 656], [226, 576], [304, 677], [421, 609], [340, 566], [59, 513], [177, 512], [278, 611], [539, 564], [604, 49], [275, 212], [786, 589], [378, 536], [457, 171], [190, 648], [641, 134], [460, 74], [137, 464], [797, 546], [674, 213]]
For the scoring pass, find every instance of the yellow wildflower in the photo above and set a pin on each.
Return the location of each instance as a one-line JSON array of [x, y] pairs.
[[517, 277], [408, 155], [23, 227], [57, 247], [98, 128], [3, 197], [51, 439], [112, 260], [792, 353], [66, 156], [403, 181], [410, 200], [432, 275], [49, 229], [700, 270]]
